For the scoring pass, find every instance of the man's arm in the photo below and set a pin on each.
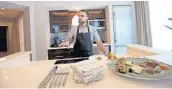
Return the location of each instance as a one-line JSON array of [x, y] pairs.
[[68, 39], [101, 46], [70, 33], [96, 38]]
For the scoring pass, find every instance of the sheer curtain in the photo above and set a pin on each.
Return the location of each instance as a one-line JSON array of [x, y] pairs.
[[143, 29]]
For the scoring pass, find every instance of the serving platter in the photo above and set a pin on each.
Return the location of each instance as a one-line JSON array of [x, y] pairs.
[[143, 75]]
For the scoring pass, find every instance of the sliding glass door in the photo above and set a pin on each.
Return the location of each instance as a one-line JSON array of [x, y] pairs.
[[123, 27]]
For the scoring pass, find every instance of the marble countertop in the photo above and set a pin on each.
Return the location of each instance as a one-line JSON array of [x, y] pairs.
[[147, 49], [160, 55], [14, 56], [31, 75]]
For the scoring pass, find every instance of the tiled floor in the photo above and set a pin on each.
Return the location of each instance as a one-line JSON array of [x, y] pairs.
[[3, 54]]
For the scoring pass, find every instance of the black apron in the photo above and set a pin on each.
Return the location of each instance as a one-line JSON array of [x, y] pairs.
[[83, 44]]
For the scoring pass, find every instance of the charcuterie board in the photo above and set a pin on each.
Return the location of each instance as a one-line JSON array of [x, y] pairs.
[[140, 68]]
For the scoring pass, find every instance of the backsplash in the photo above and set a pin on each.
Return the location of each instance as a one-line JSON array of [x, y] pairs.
[[61, 35]]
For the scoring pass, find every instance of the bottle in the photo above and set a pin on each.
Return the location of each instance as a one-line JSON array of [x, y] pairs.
[[111, 55]]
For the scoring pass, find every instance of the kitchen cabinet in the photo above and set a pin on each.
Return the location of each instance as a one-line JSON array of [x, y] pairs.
[[59, 21], [96, 14]]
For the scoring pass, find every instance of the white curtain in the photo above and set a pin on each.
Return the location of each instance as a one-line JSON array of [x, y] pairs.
[[143, 29]]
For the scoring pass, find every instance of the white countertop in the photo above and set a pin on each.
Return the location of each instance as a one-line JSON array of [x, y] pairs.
[[71, 46], [31, 75], [14, 56], [162, 56], [147, 49], [165, 58]]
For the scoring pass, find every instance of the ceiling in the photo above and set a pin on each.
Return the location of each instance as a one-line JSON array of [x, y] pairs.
[[10, 10]]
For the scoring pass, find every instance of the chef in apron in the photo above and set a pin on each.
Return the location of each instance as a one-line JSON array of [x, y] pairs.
[[82, 36]]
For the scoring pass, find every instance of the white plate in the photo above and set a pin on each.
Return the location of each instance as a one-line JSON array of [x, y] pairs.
[[144, 75], [102, 61]]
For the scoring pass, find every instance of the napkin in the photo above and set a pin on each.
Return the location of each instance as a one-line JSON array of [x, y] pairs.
[[87, 71], [86, 67], [79, 80]]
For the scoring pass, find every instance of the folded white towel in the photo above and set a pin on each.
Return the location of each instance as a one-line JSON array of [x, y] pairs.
[[77, 79], [87, 71], [87, 78], [87, 67]]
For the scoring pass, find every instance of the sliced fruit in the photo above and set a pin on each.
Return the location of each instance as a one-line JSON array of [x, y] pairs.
[[163, 67]]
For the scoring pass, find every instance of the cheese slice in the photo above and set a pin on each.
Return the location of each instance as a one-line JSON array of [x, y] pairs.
[[129, 63], [137, 69]]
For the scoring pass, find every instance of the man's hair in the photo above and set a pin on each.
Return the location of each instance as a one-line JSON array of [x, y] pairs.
[[85, 12]]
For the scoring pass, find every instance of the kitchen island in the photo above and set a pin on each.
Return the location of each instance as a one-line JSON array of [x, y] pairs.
[[18, 59], [30, 76]]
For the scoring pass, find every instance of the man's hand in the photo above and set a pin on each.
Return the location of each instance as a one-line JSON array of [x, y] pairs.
[[64, 44], [107, 55]]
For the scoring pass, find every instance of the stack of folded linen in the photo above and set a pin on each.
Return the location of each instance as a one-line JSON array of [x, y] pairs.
[[87, 71]]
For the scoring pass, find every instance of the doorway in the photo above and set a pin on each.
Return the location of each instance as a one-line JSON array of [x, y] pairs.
[[3, 38]]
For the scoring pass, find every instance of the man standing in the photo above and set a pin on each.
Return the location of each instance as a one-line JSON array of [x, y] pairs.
[[83, 37]]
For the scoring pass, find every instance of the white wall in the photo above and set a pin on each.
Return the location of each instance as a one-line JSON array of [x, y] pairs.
[[27, 32], [161, 36], [39, 20], [15, 37]]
